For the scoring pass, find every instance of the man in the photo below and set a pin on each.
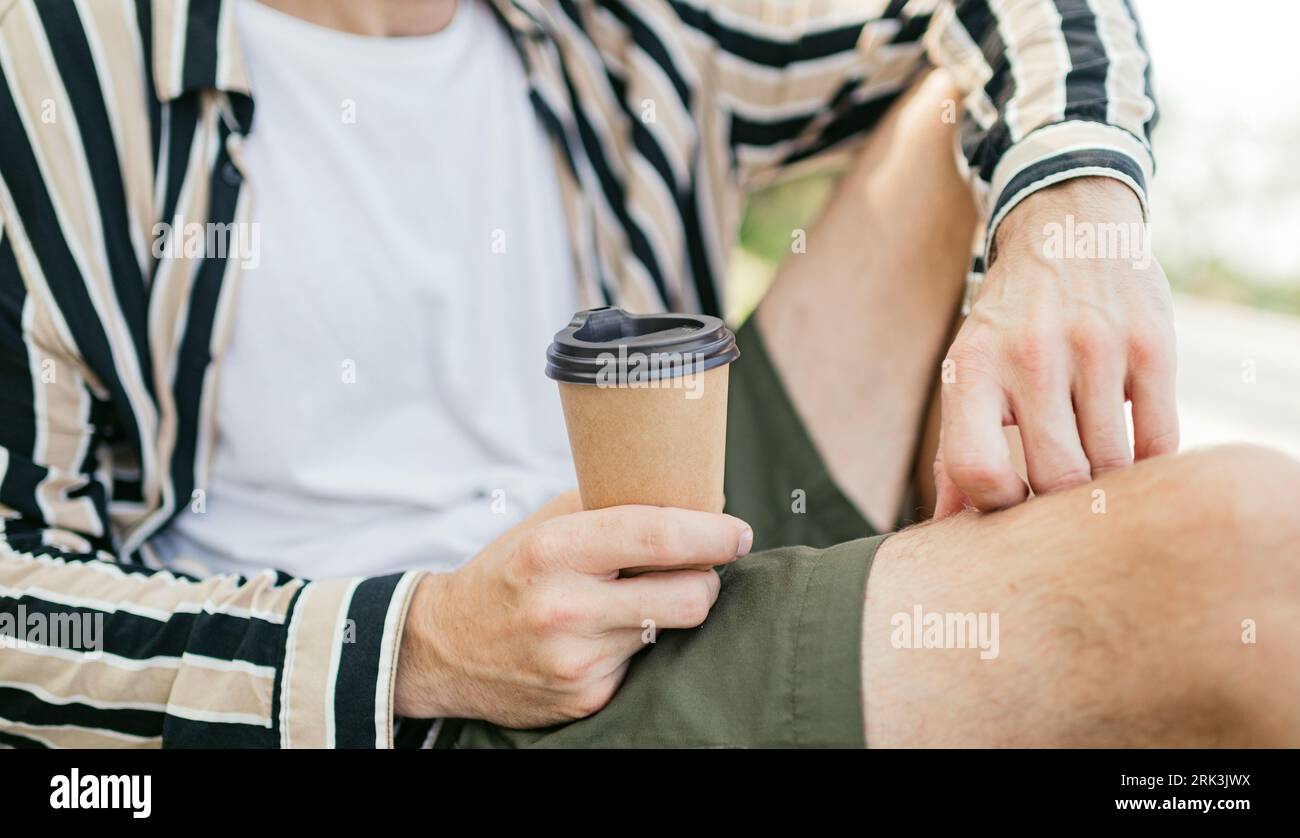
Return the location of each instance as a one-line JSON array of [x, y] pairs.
[[434, 186]]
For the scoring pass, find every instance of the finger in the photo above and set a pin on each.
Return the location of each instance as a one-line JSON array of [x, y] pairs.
[[975, 454], [602, 541], [563, 504], [671, 599], [1048, 427], [1153, 390], [949, 500], [1099, 410], [622, 644]]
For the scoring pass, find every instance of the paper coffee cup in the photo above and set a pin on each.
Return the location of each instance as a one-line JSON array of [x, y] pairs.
[[645, 404]]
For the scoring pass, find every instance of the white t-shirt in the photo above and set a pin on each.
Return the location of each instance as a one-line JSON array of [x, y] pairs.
[[382, 403]]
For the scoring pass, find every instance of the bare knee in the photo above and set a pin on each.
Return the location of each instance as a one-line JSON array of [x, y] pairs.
[[1240, 500], [1171, 619], [1220, 566]]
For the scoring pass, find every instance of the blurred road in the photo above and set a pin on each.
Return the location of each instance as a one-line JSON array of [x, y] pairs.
[[1238, 375]]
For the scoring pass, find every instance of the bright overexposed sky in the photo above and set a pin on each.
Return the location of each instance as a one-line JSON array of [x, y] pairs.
[[1228, 180]]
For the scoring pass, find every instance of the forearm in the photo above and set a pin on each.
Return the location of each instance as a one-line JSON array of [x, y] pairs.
[[266, 661]]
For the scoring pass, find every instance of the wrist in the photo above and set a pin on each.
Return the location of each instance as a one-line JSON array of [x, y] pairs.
[[1098, 200], [420, 690]]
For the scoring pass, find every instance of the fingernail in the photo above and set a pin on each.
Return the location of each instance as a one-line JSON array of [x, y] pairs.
[[746, 542]]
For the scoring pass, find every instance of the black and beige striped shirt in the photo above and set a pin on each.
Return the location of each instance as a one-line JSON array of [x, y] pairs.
[[116, 115]]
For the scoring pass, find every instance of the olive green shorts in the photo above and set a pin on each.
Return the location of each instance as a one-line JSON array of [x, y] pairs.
[[777, 663]]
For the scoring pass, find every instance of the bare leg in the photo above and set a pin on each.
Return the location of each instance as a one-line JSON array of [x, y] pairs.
[[1125, 611], [882, 274]]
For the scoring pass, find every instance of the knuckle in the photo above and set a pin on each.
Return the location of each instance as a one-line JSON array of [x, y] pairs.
[[1092, 338], [565, 669], [1149, 352], [1164, 442], [1035, 356], [968, 361], [1110, 462], [656, 537], [592, 699], [1108, 449], [1063, 476], [974, 472], [571, 672], [1032, 352], [964, 349], [694, 607], [538, 550], [548, 614]]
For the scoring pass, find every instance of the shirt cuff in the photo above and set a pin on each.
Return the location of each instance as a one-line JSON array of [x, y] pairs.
[[340, 662], [1061, 151]]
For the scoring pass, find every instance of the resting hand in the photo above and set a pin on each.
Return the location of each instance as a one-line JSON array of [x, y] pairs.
[[538, 628], [1056, 342]]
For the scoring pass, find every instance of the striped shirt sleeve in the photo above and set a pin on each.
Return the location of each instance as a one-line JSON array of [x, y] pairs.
[[99, 652], [1053, 89]]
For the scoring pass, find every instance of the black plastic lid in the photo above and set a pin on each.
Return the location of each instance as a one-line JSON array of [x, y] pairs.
[[600, 336]]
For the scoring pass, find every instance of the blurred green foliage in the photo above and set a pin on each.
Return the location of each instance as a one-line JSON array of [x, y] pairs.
[[1216, 281], [766, 235]]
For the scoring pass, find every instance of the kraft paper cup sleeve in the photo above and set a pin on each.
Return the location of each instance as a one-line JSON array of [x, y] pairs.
[[648, 434]]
